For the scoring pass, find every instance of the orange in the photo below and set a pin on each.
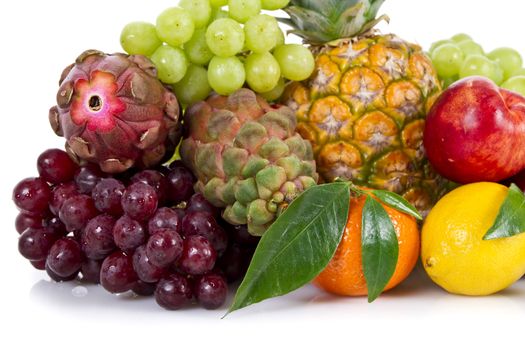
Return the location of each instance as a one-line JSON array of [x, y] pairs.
[[344, 274]]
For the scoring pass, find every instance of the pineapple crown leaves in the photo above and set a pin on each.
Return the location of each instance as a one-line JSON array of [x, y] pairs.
[[320, 22]]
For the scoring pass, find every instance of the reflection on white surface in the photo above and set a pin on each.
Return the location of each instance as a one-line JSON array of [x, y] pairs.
[[416, 297], [74, 295], [79, 291]]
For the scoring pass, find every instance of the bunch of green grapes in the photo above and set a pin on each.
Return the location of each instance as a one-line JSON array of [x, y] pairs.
[[460, 57], [220, 45]]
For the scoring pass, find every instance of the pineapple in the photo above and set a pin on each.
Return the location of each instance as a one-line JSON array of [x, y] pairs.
[[364, 107]]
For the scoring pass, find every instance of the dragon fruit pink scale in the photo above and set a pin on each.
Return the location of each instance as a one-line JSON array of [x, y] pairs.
[[113, 111]]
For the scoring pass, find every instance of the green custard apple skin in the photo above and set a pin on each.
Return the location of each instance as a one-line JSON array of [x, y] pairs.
[[247, 157], [115, 112]]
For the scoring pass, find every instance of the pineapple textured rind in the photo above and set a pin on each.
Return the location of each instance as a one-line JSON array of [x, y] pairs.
[[363, 110]]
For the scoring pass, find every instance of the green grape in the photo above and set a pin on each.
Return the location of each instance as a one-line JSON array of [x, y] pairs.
[[461, 37], [520, 71], [437, 44], [516, 84], [261, 33], [171, 63], [276, 92], [225, 37], [470, 48], [217, 13], [194, 87], [262, 71], [218, 3], [447, 59], [274, 4], [478, 65], [509, 60], [139, 38], [200, 11], [446, 82], [296, 61], [499, 75], [175, 26], [280, 39], [226, 74], [197, 50], [243, 10]]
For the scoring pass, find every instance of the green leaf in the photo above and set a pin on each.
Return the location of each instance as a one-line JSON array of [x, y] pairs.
[[397, 202], [511, 217], [298, 245], [379, 247], [332, 20]]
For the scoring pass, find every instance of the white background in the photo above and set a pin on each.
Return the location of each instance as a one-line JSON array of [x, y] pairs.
[[39, 38]]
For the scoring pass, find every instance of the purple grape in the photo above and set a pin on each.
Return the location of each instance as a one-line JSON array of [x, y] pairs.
[[87, 177], [176, 164], [198, 256], [197, 202], [180, 184], [128, 234], [24, 221], [164, 247], [199, 223], [140, 201], [166, 218], [60, 194], [107, 196], [39, 264], [146, 271], [34, 243], [97, 239], [76, 235], [211, 291], [173, 292], [55, 166], [32, 195], [144, 289], [241, 235], [219, 241], [77, 211], [204, 224], [156, 180], [58, 278], [117, 274], [163, 170], [90, 271], [235, 261], [65, 257], [56, 226]]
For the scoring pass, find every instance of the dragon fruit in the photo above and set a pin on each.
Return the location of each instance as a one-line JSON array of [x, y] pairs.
[[113, 111]]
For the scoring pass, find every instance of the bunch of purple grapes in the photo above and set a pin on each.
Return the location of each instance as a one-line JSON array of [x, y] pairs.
[[142, 231]]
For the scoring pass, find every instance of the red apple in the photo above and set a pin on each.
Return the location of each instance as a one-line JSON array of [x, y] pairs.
[[476, 132]]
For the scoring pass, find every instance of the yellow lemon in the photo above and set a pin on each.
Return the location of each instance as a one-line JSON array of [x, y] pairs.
[[453, 251]]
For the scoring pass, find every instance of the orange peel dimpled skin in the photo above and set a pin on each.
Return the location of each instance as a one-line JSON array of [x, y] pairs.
[[344, 274]]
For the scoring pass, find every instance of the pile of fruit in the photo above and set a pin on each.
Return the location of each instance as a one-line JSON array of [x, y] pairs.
[[214, 151], [460, 57]]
